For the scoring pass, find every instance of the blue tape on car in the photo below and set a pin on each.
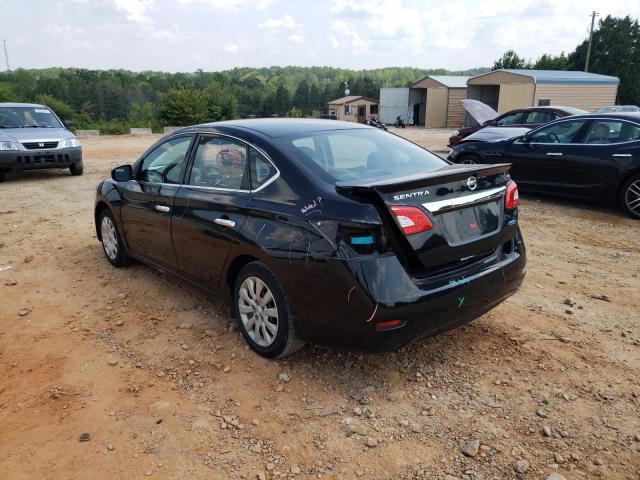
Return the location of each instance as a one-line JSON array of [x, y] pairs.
[[368, 240]]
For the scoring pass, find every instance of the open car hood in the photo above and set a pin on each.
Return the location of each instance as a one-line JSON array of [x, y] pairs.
[[481, 112], [495, 134]]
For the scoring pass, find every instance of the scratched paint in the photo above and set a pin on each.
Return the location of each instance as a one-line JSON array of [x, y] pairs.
[[458, 282], [375, 310], [460, 302], [349, 294], [311, 206]]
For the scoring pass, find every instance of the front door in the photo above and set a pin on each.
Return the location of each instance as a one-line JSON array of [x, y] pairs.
[[362, 113], [211, 207], [539, 162], [148, 200]]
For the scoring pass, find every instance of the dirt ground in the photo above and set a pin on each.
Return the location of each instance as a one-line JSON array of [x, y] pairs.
[[161, 379]]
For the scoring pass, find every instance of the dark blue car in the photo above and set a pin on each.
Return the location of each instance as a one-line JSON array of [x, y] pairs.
[[594, 157]]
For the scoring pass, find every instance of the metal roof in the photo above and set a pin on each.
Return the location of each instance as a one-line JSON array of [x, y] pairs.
[[349, 99], [451, 81], [564, 76]]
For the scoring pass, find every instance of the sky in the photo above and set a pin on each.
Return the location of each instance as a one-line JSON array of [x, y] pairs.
[[186, 35]]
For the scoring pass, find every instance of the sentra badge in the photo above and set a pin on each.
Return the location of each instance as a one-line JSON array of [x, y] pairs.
[[404, 196]]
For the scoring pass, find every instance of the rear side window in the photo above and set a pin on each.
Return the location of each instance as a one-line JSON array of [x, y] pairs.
[[363, 155], [164, 163], [613, 131], [221, 163], [262, 170]]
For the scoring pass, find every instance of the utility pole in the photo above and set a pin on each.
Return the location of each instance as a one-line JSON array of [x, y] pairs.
[[6, 55], [586, 62]]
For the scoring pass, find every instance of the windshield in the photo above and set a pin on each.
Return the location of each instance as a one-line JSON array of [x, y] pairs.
[[25, 117], [363, 155]]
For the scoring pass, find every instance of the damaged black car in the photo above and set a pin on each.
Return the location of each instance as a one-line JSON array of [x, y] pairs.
[[325, 232]]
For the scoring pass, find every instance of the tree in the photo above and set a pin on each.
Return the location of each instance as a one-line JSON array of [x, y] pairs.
[[550, 62], [6, 93], [510, 59], [184, 105], [62, 109], [142, 115], [615, 50]]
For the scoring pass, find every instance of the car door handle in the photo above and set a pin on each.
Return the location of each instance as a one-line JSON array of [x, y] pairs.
[[225, 222], [624, 155], [162, 208], [555, 154]]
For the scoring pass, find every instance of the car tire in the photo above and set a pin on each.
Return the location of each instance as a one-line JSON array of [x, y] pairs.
[[76, 168], [111, 241], [630, 197], [263, 314], [468, 159]]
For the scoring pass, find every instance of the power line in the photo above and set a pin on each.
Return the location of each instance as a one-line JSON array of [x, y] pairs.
[[593, 19]]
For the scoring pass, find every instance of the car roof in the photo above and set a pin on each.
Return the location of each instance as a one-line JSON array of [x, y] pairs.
[[633, 116], [280, 127], [9, 104]]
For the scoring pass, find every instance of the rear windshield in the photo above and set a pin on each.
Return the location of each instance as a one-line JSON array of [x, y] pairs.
[[25, 117], [363, 155]]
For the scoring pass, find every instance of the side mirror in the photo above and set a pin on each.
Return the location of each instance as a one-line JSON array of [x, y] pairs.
[[67, 124], [123, 173]]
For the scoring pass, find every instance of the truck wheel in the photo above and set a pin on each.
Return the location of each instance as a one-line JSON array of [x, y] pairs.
[[76, 168], [263, 312]]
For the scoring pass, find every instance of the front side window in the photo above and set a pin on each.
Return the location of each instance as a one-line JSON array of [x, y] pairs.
[[24, 117], [360, 155], [563, 132], [612, 131], [220, 162], [511, 119], [164, 163]]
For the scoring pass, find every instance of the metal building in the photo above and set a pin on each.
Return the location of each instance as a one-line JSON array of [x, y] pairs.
[[441, 100], [434, 102], [505, 90]]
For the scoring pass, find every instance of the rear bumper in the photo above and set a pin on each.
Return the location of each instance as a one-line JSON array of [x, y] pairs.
[[38, 159], [381, 290]]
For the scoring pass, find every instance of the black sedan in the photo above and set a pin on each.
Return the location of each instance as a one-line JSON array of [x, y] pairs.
[[594, 157], [321, 231]]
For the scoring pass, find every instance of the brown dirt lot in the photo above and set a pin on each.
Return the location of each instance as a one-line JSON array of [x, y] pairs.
[[162, 380]]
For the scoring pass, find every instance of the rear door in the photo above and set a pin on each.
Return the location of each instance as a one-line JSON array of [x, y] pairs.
[[540, 162], [148, 201], [212, 206], [596, 163]]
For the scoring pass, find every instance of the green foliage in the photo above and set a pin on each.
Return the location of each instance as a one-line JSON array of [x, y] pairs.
[[142, 116], [62, 109], [510, 59], [7, 94], [615, 50], [295, 112], [183, 105], [552, 62]]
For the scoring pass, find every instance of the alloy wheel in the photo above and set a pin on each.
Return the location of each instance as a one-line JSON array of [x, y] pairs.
[[109, 237], [632, 197], [258, 311]]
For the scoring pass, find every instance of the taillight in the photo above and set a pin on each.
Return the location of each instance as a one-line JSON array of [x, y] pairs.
[[411, 219], [511, 199]]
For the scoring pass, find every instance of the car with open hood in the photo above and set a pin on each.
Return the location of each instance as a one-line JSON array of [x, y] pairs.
[[32, 137], [320, 231], [592, 157], [485, 116]]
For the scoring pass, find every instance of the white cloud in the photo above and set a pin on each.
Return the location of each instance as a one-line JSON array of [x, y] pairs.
[[222, 4], [231, 47], [134, 10], [295, 38], [287, 22], [345, 36]]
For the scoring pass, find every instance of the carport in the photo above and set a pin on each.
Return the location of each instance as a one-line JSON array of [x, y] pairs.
[[505, 90]]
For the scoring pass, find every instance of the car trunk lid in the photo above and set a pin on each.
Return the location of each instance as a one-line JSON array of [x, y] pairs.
[[464, 203]]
